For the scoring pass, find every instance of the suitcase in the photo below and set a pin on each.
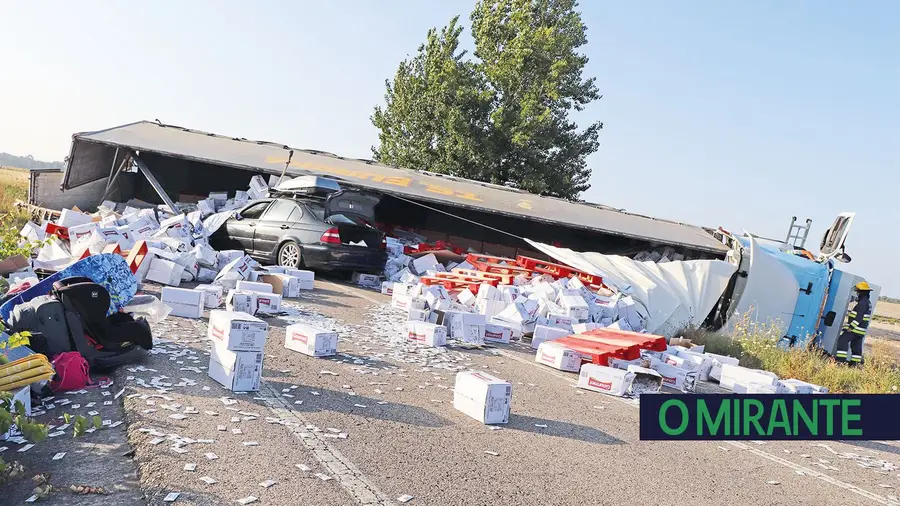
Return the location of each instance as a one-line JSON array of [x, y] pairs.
[[44, 314]]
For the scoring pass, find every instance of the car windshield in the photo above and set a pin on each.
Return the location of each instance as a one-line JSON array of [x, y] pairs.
[[318, 210]]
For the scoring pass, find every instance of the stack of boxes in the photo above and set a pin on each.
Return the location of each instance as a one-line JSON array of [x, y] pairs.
[[238, 344]]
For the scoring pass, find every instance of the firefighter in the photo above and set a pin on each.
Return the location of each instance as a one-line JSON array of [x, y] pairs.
[[855, 329]]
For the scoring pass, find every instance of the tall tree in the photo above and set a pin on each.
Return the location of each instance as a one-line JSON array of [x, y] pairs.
[[503, 117]]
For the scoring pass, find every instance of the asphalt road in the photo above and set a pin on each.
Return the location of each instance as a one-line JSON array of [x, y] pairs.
[[377, 423]]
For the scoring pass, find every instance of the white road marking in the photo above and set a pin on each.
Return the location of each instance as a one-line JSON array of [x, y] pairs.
[[347, 474]]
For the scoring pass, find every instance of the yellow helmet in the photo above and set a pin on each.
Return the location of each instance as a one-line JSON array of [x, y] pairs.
[[862, 286]]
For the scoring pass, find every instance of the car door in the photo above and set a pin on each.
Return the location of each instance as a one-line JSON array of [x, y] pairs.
[[241, 228], [274, 224]]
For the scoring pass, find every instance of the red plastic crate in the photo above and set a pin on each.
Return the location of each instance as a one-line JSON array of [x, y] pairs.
[[630, 350], [599, 353], [643, 341]]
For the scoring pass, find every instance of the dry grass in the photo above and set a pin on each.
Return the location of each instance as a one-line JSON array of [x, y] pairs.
[[884, 309], [756, 347], [13, 187]]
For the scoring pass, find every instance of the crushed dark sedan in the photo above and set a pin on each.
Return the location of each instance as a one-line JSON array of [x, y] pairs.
[[308, 223]]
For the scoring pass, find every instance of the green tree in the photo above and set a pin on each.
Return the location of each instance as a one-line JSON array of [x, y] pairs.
[[502, 117]]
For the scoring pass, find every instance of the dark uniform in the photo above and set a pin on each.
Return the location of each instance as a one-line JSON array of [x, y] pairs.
[[853, 332]]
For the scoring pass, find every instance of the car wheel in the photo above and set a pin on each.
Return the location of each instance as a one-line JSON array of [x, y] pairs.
[[289, 255]]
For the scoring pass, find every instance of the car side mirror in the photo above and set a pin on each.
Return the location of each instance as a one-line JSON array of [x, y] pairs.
[[238, 216], [829, 318]]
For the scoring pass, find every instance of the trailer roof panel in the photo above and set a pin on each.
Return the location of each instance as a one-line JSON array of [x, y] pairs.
[[269, 157]]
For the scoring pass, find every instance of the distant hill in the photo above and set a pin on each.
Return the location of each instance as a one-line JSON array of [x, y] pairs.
[[26, 162]]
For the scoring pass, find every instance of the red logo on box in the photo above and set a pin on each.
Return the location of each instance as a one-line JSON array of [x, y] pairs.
[[493, 335], [668, 381], [264, 301], [602, 385], [218, 333], [297, 336], [547, 358], [672, 361]]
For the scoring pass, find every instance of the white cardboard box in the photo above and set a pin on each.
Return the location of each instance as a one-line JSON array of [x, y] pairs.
[[482, 396], [581, 328], [22, 395], [387, 287], [242, 302], [562, 321], [497, 333], [715, 370], [544, 333], [165, 272], [70, 218], [268, 302], [575, 306], [285, 284], [467, 298], [795, 386], [306, 278], [424, 263], [468, 328], [675, 377], [417, 315], [184, 302], [237, 371], [732, 374], [753, 388], [704, 362], [428, 333], [558, 356], [236, 331], [252, 286], [365, 279], [310, 340], [490, 308], [213, 295], [645, 380], [683, 362], [605, 380]]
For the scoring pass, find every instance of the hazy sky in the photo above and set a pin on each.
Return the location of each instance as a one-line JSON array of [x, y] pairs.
[[739, 114]]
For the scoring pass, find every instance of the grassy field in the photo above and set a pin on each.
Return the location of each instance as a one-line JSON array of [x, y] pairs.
[[888, 310]]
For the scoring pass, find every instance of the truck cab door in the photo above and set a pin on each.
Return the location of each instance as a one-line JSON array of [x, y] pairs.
[[832, 245]]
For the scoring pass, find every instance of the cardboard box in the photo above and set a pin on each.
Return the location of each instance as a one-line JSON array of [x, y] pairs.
[[515, 332], [575, 306], [468, 328], [165, 272], [306, 279], [795, 386], [490, 308], [205, 256], [213, 295], [242, 302], [268, 302], [237, 371], [252, 286], [387, 287], [687, 344], [239, 268], [562, 321], [488, 292], [362, 279], [184, 302], [497, 333], [406, 302], [424, 263], [417, 315], [227, 256], [467, 298], [310, 340], [732, 374], [219, 198], [483, 397], [618, 363], [704, 362], [675, 377], [646, 381], [284, 284], [236, 331], [581, 328], [544, 333], [69, 218], [753, 388], [715, 370], [605, 380], [558, 356], [687, 364], [428, 333]]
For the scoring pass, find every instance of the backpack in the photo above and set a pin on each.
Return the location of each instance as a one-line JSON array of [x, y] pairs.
[[71, 372], [47, 316]]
